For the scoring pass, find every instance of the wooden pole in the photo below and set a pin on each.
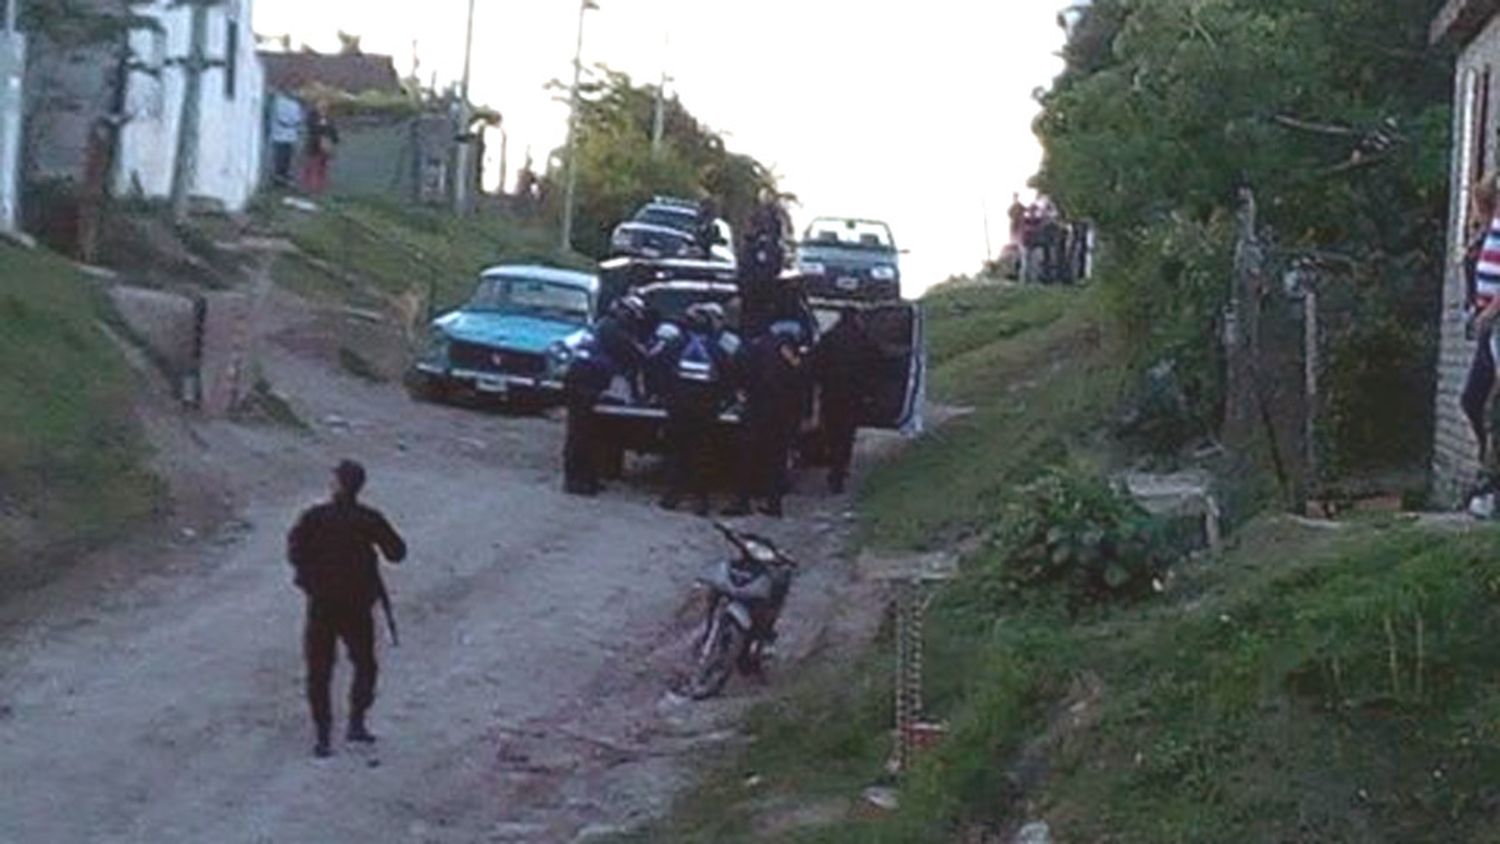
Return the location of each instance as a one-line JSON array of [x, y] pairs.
[[185, 167]]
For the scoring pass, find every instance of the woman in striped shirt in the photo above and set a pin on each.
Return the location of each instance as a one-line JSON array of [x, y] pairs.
[[1482, 275]]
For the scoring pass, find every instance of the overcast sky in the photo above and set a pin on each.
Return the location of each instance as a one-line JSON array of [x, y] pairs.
[[918, 113]]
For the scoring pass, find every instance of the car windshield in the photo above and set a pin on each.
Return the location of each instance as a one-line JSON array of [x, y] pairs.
[[682, 219], [850, 234], [521, 296]]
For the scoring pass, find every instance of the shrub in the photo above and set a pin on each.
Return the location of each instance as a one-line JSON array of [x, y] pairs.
[[1072, 532]]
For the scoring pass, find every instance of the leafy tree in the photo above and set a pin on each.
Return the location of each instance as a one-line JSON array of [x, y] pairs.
[[1334, 111], [618, 169]]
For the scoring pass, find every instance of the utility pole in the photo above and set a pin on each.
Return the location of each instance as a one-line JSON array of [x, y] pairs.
[[462, 183], [185, 167], [570, 195], [659, 124], [12, 108]]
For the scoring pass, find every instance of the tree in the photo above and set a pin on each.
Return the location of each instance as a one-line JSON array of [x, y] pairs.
[[1335, 111], [617, 170]]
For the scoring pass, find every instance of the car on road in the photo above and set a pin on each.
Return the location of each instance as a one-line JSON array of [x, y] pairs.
[[496, 344], [848, 258], [667, 227]]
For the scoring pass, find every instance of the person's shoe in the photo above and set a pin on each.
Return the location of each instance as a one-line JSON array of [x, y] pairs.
[[740, 507], [668, 502], [322, 750], [836, 484], [359, 733], [585, 490], [700, 507]]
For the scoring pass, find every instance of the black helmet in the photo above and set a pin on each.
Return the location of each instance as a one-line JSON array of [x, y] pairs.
[[630, 306]]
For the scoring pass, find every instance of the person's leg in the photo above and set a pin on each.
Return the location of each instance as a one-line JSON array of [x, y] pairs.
[[358, 633], [677, 433], [580, 467], [1475, 398], [839, 428], [746, 471], [283, 173], [319, 636], [700, 459]]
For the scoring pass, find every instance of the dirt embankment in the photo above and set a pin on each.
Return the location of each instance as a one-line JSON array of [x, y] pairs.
[[154, 692]]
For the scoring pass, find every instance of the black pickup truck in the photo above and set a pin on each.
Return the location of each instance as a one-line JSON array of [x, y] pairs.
[[669, 287]]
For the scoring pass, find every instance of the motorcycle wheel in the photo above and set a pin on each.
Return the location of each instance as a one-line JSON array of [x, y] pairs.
[[718, 660]]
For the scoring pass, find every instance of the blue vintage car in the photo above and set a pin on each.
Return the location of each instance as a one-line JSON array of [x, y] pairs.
[[498, 344]]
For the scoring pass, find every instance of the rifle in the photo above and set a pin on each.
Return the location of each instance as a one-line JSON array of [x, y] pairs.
[[385, 606]]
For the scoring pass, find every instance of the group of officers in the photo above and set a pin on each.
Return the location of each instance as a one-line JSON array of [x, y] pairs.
[[760, 355]]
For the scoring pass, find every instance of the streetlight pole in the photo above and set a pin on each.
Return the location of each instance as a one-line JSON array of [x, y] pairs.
[[12, 72], [571, 193], [659, 123], [462, 183]]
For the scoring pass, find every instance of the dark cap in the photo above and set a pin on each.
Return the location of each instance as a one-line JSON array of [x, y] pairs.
[[351, 477]]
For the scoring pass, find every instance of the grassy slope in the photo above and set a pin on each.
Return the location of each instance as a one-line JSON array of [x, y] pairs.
[[1311, 685], [394, 249], [70, 456]]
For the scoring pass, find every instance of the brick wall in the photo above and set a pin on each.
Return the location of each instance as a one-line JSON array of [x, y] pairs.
[[1454, 449]]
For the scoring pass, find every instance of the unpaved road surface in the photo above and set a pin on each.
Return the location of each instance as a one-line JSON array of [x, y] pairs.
[[154, 692]]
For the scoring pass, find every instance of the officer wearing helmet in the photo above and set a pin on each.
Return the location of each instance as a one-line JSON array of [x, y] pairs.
[[617, 348], [774, 383], [696, 369]]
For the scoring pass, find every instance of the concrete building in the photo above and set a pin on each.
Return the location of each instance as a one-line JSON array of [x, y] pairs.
[[73, 87], [1473, 26]]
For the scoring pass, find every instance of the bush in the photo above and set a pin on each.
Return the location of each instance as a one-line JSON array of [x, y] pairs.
[[1072, 532]]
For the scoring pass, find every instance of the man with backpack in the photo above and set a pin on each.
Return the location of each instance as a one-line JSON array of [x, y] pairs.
[[697, 369], [333, 549], [774, 390]]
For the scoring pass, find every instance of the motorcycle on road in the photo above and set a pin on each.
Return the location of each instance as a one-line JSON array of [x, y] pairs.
[[745, 597]]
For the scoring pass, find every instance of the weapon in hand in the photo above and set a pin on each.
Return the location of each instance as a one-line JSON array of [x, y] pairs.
[[390, 616]]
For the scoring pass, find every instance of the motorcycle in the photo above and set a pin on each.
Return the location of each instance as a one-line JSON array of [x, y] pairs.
[[745, 597]]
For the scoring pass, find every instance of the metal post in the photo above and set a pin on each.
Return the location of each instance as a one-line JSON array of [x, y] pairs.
[[659, 122], [12, 109], [185, 168], [571, 191], [461, 182]]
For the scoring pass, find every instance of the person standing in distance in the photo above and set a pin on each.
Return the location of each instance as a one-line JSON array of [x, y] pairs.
[[333, 549]]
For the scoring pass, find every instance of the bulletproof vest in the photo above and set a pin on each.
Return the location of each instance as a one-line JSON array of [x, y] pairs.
[[697, 362]]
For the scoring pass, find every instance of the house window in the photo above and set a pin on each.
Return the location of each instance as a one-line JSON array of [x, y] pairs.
[[231, 57]]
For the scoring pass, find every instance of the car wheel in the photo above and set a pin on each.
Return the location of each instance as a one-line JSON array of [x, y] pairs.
[[426, 388]]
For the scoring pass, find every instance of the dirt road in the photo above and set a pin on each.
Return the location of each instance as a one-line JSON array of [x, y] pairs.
[[154, 693]]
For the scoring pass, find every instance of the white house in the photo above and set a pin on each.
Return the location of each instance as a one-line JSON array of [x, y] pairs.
[[231, 115]]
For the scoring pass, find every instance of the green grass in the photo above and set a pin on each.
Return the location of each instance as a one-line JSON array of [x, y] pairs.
[[393, 249], [1038, 375], [1307, 685], [71, 470]]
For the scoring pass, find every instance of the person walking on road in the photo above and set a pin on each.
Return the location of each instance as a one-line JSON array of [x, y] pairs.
[[333, 549], [774, 389]]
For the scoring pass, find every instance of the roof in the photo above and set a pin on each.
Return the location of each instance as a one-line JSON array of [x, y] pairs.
[[1460, 20], [354, 73], [552, 275]]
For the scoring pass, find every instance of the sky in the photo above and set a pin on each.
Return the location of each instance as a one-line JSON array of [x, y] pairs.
[[916, 113]]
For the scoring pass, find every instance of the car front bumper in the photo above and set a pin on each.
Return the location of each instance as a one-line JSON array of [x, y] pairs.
[[491, 383]]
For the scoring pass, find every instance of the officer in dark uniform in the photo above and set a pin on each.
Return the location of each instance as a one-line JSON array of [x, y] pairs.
[[698, 378], [333, 550], [842, 366], [615, 349], [774, 382]]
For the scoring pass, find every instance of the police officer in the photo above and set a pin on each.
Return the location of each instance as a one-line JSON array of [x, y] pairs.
[[774, 388], [615, 349], [842, 369], [333, 551], [698, 377]]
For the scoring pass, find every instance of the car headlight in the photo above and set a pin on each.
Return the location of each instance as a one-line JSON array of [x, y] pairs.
[[435, 347], [811, 268], [559, 352], [883, 273], [620, 239]]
